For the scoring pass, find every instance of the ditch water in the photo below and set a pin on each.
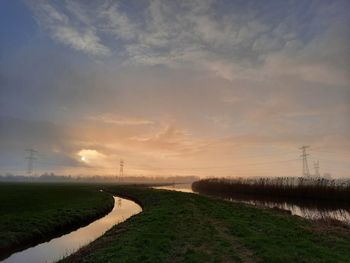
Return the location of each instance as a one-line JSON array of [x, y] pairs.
[[62, 246], [310, 210]]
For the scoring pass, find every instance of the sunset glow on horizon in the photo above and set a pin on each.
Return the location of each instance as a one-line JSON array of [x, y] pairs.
[[205, 88]]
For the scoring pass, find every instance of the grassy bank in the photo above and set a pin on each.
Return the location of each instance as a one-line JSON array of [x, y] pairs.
[[180, 227], [33, 213], [287, 187]]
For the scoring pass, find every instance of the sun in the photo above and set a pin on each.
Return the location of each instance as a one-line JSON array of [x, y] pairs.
[[90, 156]]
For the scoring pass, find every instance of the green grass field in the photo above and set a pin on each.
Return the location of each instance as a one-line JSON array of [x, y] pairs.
[[180, 227], [33, 213], [174, 227]]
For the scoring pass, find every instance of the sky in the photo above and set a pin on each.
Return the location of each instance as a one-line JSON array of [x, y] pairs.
[[207, 88]]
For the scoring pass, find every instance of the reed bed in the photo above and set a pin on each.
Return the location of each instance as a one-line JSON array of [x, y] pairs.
[[287, 187]]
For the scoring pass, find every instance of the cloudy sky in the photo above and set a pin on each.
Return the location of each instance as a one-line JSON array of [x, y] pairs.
[[209, 88]]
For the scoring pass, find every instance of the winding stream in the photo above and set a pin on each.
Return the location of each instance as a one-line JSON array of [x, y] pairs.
[[62, 246]]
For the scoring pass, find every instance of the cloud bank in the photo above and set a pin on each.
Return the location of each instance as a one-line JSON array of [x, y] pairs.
[[180, 86]]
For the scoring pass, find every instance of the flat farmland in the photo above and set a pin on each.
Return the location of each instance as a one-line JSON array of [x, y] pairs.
[[34, 213]]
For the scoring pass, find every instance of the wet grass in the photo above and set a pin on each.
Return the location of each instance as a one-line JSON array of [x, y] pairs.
[[33, 213], [182, 227]]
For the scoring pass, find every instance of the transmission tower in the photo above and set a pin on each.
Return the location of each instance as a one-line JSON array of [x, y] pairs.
[[306, 172], [121, 169], [31, 158], [317, 168]]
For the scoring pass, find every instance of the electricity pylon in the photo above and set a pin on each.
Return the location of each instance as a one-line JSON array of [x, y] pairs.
[[317, 168], [306, 172], [31, 158], [121, 169]]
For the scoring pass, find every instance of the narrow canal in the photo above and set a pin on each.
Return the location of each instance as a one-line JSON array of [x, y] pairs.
[[62, 246]]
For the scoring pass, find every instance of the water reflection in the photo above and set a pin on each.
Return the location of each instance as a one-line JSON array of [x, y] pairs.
[[187, 188], [67, 244], [307, 209]]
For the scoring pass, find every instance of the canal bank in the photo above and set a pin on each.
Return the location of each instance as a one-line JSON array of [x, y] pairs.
[[62, 246], [326, 212], [184, 227]]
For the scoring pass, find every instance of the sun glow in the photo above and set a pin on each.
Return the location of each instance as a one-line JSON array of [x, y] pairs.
[[91, 156]]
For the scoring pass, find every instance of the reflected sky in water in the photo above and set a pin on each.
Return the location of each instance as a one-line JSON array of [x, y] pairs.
[[311, 210], [314, 212], [186, 188], [67, 244]]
